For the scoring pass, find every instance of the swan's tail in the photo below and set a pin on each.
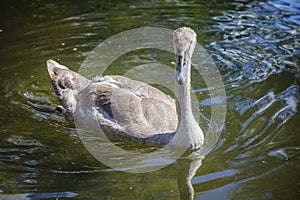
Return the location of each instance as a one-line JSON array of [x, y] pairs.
[[66, 84]]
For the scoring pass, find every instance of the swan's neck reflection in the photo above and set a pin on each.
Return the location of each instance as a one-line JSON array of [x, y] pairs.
[[187, 169]]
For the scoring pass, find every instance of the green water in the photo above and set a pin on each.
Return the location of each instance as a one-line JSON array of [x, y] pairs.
[[256, 46]]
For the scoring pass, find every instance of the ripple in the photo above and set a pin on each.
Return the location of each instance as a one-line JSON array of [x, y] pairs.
[[285, 153], [259, 42], [269, 115], [21, 141], [27, 196], [37, 102], [215, 176], [266, 130]]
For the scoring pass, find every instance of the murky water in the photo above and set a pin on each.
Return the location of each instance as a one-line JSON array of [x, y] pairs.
[[256, 46]]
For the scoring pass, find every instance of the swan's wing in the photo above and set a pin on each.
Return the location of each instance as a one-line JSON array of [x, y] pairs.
[[136, 108], [124, 108]]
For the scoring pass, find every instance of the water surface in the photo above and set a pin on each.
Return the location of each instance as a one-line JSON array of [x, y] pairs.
[[255, 45]]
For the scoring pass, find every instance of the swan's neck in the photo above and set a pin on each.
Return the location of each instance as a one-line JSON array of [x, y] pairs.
[[183, 103], [187, 125]]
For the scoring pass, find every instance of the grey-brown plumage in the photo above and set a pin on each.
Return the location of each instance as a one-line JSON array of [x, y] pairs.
[[127, 109]]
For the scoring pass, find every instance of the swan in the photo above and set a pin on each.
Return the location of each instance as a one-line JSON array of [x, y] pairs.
[[132, 110]]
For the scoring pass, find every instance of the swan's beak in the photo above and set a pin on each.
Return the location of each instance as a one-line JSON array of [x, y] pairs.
[[181, 69], [53, 66]]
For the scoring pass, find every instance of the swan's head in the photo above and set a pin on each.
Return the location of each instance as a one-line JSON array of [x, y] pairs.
[[184, 41]]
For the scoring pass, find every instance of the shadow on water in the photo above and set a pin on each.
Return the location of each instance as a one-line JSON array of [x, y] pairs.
[[255, 45]]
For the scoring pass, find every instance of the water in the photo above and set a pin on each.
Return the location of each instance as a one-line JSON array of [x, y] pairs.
[[255, 45]]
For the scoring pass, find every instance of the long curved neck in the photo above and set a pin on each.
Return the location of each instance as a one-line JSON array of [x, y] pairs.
[[183, 102], [188, 129]]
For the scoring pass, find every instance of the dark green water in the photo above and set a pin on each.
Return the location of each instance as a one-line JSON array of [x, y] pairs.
[[256, 46]]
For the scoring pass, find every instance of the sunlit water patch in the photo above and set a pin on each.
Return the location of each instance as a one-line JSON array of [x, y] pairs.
[[257, 42], [258, 52]]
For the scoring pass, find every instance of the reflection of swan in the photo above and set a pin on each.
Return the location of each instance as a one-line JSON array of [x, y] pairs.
[[187, 170], [133, 110]]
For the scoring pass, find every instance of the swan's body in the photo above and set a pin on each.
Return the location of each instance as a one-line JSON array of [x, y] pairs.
[[131, 110]]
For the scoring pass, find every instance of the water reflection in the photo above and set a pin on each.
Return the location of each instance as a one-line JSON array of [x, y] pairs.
[[187, 168]]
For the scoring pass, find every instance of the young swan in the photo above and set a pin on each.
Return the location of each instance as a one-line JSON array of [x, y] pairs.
[[184, 42], [126, 109]]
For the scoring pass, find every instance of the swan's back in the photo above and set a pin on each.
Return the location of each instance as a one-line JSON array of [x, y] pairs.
[[123, 107]]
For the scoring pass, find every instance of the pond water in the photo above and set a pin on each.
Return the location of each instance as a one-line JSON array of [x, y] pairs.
[[256, 47]]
